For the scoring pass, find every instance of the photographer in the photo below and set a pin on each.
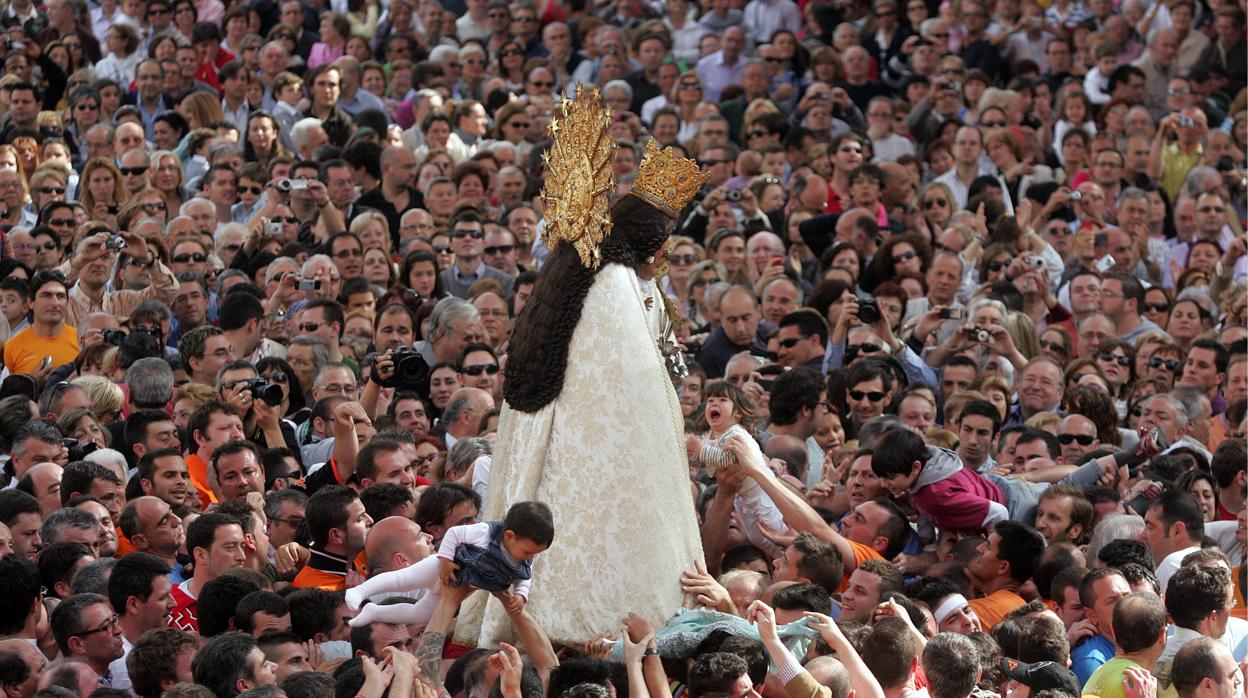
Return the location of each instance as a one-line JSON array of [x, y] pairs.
[[95, 252], [399, 369], [848, 341], [257, 401]]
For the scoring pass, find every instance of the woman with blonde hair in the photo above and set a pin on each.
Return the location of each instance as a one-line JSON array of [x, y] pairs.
[[201, 109], [165, 176], [103, 192], [48, 183], [188, 398], [373, 230], [106, 396], [755, 108], [687, 94]]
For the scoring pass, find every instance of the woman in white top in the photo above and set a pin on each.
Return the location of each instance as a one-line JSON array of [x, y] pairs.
[[123, 56]]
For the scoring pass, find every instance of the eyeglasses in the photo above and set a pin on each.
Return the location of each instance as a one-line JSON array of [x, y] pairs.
[[499, 249], [519, 124], [756, 134], [190, 257], [108, 625], [86, 107], [52, 190], [441, 249], [133, 171], [352, 252], [690, 85], [929, 203], [1083, 439], [254, 190], [132, 262], [791, 342], [155, 206], [292, 521], [542, 83], [223, 353], [897, 258], [335, 389], [474, 234], [1180, 92], [872, 395], [1053, 347], [1156, 307], [998, 264], [862, 348], [682, 259], [1108, 356], [1212, 209], [478, 369], [1171, 365]]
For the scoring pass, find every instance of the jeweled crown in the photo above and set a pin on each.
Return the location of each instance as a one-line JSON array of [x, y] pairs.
[[667, 181]]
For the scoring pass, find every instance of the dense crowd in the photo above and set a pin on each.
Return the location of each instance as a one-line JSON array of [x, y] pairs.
[[964, 305]]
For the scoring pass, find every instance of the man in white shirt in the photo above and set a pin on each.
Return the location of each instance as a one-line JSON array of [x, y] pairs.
[[1173, 528]]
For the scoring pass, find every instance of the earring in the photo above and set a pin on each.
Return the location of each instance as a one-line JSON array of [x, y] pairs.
[[650, 259]]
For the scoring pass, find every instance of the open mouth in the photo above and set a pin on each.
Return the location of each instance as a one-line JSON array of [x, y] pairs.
[[713, 414]]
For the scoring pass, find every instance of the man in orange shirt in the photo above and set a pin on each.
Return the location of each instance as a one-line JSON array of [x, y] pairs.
[[213, 425], [1006, 561], [47, 335], [339, 526]]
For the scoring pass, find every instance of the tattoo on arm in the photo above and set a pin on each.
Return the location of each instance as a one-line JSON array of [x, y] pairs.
[[429, 656]]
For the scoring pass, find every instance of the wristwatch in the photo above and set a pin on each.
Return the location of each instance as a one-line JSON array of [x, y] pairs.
[[650, 652]]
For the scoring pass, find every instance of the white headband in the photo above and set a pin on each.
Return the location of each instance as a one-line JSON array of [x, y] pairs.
[[948, 607]]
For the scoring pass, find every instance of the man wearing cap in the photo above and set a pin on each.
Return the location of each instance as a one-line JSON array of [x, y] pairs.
[[1026, 680], [1140, 633]]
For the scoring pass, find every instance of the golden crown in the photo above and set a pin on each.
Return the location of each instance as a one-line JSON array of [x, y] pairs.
[[667, 181], [579, 176]]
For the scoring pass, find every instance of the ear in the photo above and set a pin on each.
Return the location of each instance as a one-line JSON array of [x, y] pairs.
[[62, 589], [242, 685], [337, 535], [139, 450], [146, 485], [879, 543], [140, 541], [75, 643]]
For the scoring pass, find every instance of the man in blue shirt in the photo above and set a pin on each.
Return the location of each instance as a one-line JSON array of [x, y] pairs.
[[1100, 592]]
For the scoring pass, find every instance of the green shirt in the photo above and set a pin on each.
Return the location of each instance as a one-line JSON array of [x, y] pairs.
[[1106, 682]]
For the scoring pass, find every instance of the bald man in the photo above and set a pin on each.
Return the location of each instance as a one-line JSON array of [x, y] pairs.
[[396, 542], [43, 482], [738, 331], [395, 195], [35, 664]]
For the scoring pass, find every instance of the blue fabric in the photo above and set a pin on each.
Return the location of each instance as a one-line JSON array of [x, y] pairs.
[[681, 635], [1089, 655], [490, 567]]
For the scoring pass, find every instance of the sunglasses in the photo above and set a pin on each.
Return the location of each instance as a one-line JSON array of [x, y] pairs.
[[929, 203], [872, 395], [474, 234], [275, 377], [477, 370], [285, 219], [1122, 359], [1171, 365], [131, 262], [992, 124], [190, 256], [511, 52], [690, 85], [441, 249], [1053, 347], [155, 206], [1157, 307], [87, 107], [682, 259], [1083, 439], [519, 124], [310, 326], [500, 249], [904, 256], [756, 134], [66, 222], [48, 246], [998, 264], [254, 191], [133, 171], [52, 190], [791, 342], [862, 348]]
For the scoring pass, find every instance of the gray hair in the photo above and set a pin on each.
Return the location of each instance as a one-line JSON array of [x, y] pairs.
[[871, 431], [63, 518], [1194, 185], [330, 366], [273, 501], [36, 429], [466, 451], [271, 272], [1112, 528], [150, 380], [1180, 408], [93, 577], [499, 146], [102, 127], [989, 303], [109, 458], [185, 208], [741, 357], [320, 350], [618, 85], [302, 129], [442, 52], [449, 311], [459, 403], [1135, 193], [305, 270], [53, 395]]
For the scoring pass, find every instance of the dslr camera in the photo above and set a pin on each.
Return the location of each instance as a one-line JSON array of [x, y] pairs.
[[868, 311], [411, 372], [77, 449], [261, 389], [114, 336]]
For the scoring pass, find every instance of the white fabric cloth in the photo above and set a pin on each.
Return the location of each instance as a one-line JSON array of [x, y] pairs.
[[1170, 565], [608, 457]]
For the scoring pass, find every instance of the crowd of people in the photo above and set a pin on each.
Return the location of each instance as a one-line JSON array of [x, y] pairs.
[[963, 306]]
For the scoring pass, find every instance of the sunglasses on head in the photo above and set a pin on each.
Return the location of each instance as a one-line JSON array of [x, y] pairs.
[[477, 370], [190, 256], [1171, 365], [1123, 360], [1083, 439], [872, 395]]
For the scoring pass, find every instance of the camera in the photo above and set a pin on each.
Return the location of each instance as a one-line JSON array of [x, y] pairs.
[[977, 334], [114, 336], [1076, 195], [309, 285], [1034, 262], [868, 311], [732, 195], [116, 242], [78, 450], [950, 314], [286, 184], [1186, 121], [261, 389], [1226, 163], [273, 229], [113, 209], [411, 372]]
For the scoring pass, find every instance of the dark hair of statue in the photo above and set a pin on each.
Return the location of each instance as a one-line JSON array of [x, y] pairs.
[[539, 347]]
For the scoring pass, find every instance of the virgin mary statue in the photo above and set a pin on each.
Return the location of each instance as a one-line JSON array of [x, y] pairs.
[[590, 423]]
